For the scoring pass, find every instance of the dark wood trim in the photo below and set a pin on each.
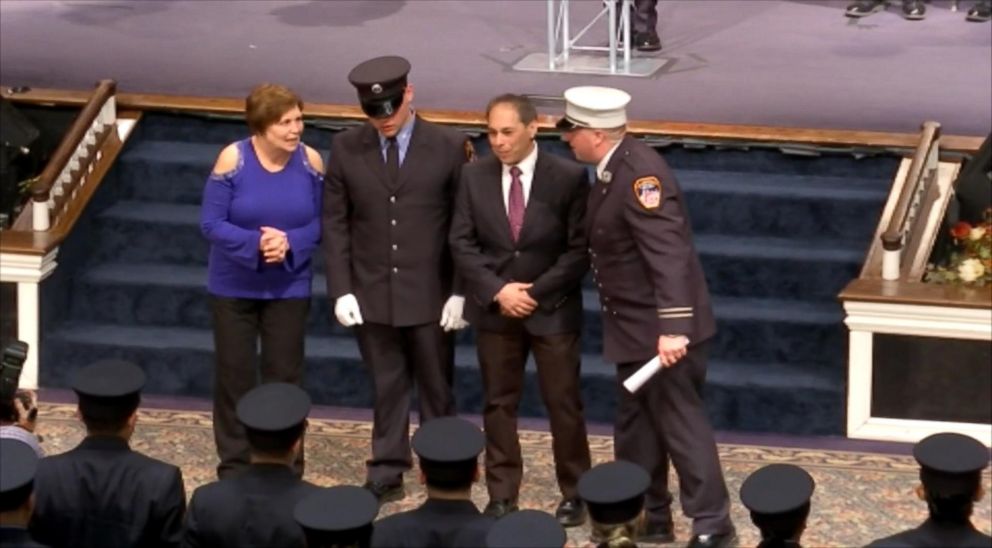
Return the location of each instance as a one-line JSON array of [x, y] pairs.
[[227, 105], [917, 293], [31, 242]]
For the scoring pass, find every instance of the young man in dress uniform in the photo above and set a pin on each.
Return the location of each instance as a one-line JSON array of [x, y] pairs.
[[102, 493], [518, 239], [337, 517], [951, 483], [18, 464], [654, 303], [448, 449], [255, 508], [389, 193], [778, 497]]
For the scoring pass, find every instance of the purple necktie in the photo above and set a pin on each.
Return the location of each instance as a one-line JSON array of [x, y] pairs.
[[515, 203]]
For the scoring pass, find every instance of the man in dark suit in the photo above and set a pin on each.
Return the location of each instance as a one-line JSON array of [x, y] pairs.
[[448, 449], [389, 193], [951, 483], [518, 241], [102, 493], [654, 304], [255, 508], [18, 465]]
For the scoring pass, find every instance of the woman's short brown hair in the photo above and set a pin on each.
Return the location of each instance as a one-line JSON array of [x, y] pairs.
[[266, 104]]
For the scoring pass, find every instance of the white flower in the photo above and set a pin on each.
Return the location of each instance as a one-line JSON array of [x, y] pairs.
[[970, 270], [976, 233]]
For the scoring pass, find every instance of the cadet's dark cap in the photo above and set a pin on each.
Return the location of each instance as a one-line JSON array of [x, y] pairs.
[[950, 463], [448, 440], [338, 509], [19, 464], [614, 491], [526, 529], [109, 388], [777, 489], [273, 407], [380, 83]]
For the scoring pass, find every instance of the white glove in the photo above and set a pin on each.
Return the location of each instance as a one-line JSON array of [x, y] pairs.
[[451, 314], [346, 310]]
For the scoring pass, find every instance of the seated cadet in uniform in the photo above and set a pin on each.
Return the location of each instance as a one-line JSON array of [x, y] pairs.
[[19, 464], [778, 497], [337, 517], [951, 482], [102, 493], [526, 529], [614, 494], [255, 507], [448, 449]]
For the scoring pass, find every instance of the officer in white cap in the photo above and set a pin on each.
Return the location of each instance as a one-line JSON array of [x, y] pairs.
[[654, 302], [951, 483], [388, 198]]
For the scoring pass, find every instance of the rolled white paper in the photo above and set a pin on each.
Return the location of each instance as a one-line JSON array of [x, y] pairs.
[[642, 375]]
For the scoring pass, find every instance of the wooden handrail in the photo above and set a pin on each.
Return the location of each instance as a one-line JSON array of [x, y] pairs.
[[234, 106], [892, 238], [42, 188]]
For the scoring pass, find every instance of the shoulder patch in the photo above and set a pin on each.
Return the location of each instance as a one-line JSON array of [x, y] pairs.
[[647, 190], [469, 151]]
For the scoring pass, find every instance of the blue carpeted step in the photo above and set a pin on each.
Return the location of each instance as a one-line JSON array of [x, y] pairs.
[[216, 130], [867, 164], [178, 362], [813, 209], [753, 330]]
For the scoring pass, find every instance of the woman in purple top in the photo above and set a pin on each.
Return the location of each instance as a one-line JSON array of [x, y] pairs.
[[261, 215]]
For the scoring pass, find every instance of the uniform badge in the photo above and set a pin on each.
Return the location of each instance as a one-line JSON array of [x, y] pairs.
[[376, 88], [607, 177], [387, 109], [647, 190], [469, 151]]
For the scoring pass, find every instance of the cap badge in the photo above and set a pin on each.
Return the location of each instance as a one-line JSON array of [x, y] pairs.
[[647, 190], [376, 88], [387, 109]]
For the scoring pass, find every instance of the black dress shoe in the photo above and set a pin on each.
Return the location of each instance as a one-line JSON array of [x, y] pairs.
[[980, 12], [385, 493], [647, 41], [913, 10], [499, 508], [722, 540], [571, 512], [863, 8], [656, 533]]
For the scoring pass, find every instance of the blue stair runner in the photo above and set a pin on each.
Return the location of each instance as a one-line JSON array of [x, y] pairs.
[[779, 235]]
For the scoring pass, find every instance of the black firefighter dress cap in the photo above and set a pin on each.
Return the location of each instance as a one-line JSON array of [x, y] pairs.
[[777, 489], [273, 407], [526, 529], [950, 464], [109, 387], [614, 491], [18, 464], [447, 444], [380, 83], [336, 514]]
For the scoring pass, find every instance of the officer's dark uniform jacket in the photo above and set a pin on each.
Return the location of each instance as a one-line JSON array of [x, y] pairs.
[[437, 523], [649, 278], [104, 494], [932, 533], [15, 537], [386, 242], [254, 509]]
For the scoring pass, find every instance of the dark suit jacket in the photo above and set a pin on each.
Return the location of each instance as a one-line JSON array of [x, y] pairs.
[[649, 277], [104, 494], [15, 537], [931, 533], [254, 509], [550, 252], [435, 524], [388, 243]]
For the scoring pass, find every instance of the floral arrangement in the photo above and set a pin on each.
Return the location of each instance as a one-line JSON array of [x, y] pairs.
[[970, 262]]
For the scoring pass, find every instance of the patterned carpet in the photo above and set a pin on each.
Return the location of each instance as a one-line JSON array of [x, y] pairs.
[[859, 496]]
